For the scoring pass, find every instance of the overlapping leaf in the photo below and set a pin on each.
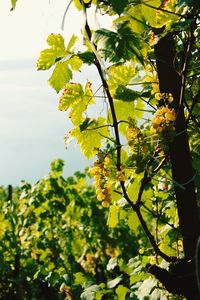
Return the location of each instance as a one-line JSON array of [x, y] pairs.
[[77, 100], [91, 138], [62, 57], [120, 45], [49, 56]]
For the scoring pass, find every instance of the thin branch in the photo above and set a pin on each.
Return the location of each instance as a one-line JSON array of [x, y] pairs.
[[159, 216], [147, 102], [65, 13], [145, 110], [106, 137], [126, 196], [102, 126], [190, 110], [186, 58], [151, 238], [106, 88], [162, 9], [141, 83], [144, 182], [160, 165]]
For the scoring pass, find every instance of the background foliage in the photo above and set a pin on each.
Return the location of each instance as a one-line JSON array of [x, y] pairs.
[[55, 244]]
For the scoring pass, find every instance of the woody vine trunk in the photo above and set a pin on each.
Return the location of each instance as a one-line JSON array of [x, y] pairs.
[[171, 81]]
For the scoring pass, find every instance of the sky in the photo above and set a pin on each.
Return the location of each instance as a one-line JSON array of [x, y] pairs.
[[32, 129]]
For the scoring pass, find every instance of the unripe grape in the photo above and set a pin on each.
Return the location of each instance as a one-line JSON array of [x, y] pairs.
[[100, 197], [106, 160], [97, 177], [108, 198], [121, 176], [158, 96], [105, 204]]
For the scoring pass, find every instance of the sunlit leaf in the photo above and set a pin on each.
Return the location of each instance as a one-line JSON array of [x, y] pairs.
[[78, 5], [86, 123], [133, 221], [90, 139], [125, 94], [75, 62], [120, 45], [79, 278], [13, 2], [113, 216], [78, 100], [121, 292], [48, 57], [60, 76], [71, 43]]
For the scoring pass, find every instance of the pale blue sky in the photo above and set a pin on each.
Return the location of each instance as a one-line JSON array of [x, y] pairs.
[[32, 129]]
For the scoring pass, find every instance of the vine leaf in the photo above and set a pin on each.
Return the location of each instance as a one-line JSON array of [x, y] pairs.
[[63, 73], [48, 56], [113, 216], [125, 94], [77, 100], [120, 45], [60, 76], [119, 6], [86, 123], [120, 75], [121, 292], [91, 138], [133, 221], [87, 57], [62, 57], [13, 3]]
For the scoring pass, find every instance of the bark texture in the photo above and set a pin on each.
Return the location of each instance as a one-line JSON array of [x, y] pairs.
[[170, 81]]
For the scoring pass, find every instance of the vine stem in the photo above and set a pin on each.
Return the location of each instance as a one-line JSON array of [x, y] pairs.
[[188, 50], [151, 238], [106, 88], [162, 9], [135, 207]]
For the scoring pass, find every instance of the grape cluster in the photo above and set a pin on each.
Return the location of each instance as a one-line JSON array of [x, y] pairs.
[[151, 77], [166, 97], [163, 120], [102, 184], [131, 134]]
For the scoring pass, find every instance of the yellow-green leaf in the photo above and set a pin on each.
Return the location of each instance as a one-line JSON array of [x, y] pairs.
[[60, 76], [133, 221], [13, 2], [78, 5], [151, 13], [75, 63], [71, 43], [120, 75], [133, 188], [56, 41], [92, 137], [79, 278], [73, 97], [71, 93], [47, 59], [121, 292], [113, 216], [56, 51]]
